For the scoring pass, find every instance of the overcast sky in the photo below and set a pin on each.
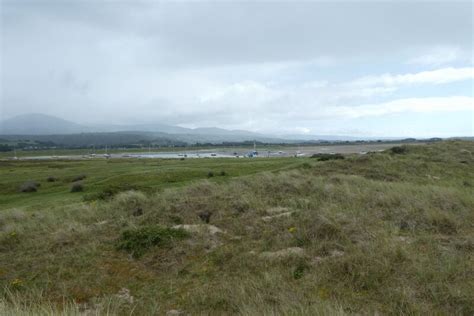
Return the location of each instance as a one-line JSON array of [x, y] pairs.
[[343, 68]]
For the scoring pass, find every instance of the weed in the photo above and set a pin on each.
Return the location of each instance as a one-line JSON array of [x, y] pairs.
[[137, 240]]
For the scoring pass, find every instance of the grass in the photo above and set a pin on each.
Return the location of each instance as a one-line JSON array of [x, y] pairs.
[[104, 176], [383, 233]]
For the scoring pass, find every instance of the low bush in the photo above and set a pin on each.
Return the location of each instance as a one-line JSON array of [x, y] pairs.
[[223, 173], [110, 191], [29, 186], [326, 157], [137, 240], [77, 187], [210, 174], [51, 179], [399, 150]]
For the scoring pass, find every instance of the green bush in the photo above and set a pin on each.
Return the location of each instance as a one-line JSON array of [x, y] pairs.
[[399, 150], [77, 187], [110, 191], [51, 179], [29, 186], [210, 174], [326, 157], [137, 240]]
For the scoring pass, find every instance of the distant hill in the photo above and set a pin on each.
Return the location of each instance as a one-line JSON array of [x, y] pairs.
[[39, 124]]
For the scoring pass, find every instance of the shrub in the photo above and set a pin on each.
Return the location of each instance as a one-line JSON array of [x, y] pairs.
[[112, 190], [137, 240], [79, 178], [77, 187], [29, 186], [326, 157], [210, 174], [51, 179], [399, 150], [223, 173]]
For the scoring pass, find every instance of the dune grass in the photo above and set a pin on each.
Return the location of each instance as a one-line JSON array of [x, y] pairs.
[[384, 233]]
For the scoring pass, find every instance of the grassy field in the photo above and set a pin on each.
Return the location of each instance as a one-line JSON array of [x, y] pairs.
[[382, 233], [140, 174]]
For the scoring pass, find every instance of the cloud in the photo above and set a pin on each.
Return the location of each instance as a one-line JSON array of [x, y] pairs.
[[438, 76], [413, 105], [440, 56], [233, 64]]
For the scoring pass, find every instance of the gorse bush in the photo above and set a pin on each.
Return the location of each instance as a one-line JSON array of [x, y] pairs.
[[137, 240], [399, 150], [51, 179], [326, 157], [77, 187]]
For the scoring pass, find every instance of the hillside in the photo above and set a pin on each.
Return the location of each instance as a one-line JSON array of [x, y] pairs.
[[382, 233], [39, 124]]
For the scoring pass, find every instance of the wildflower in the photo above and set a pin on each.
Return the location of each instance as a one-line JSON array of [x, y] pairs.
[[16, 282], [292, 229]]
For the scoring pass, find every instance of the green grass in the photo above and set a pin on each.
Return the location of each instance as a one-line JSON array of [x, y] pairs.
[[150, 174], [382, 233]]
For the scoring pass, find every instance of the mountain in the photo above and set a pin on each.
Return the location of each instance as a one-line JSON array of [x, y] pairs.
[[39, 124], [42, 127]]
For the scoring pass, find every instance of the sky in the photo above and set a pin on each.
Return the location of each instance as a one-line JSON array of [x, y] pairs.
[[354, 68]]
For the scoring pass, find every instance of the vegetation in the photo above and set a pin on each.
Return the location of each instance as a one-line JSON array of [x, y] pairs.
[[326, 157], [77, 187], [380, 233], [29, 186]]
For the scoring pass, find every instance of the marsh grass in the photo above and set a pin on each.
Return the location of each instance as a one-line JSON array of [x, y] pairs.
[[378, 236]]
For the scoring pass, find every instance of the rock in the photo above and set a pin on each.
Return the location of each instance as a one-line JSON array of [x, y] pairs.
[[270, 218], [203, 228], [292, 252], [277, 210], [124, 294], [336, 253]]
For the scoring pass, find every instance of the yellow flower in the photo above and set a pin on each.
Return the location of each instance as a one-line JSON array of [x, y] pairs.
[[16, 282], [292, 229]]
